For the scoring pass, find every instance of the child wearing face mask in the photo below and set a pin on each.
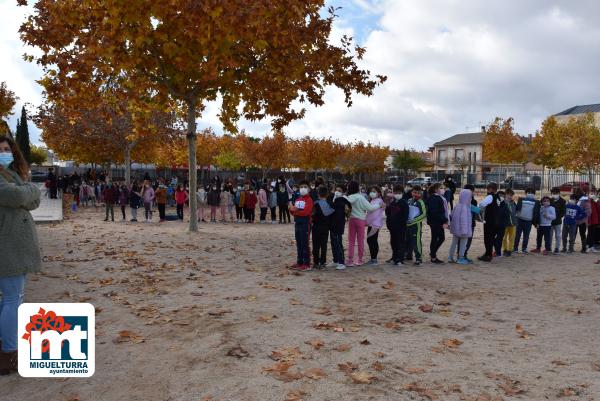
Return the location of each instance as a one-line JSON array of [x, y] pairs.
[[510, 221], [250, 201], [397, 217], [573, 213], [417, 212], [302, 210], [437, 219], [504, 220], [238, 200], [528, 214], [461, 227], [559, 205], [263, 204], [214, 201], [594, 223], [283, 197], [544, 229], [374, 223], [202, 203], [342, 209]]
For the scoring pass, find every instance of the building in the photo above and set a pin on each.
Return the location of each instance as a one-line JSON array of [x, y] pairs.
[[577, 111], [460, 153]]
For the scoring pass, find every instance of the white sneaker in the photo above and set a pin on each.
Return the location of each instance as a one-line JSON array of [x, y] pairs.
[[340, 267], [332, 264]]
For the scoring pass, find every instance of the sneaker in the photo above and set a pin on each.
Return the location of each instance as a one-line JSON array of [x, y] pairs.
[[389, 261], [556, 252], [524, 252], [463, 261], [332, 264], [417, 263], [584, 250], [359, 263], [295, 266], [317, 266], [437, 261], [507, 253], [373, 262], [536, 250], [304, 268], [350, 264], [105, 219], [398, 263], [450, 260], [545, 253], [340, 267], [570, 251], [484, 258], [469, 260], [564, 250]]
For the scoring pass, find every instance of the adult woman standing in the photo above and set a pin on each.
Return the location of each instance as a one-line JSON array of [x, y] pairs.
[[18, 244]]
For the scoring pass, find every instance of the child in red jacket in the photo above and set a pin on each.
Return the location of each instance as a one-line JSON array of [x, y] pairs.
[[302, 210], [250, 200]]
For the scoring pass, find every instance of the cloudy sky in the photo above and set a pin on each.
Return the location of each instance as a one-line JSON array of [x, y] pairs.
[[452, 66]]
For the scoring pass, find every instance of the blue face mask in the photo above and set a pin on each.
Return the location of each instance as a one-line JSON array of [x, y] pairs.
[[6, 158]]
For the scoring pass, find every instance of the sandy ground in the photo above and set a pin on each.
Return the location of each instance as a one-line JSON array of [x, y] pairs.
[[217, 316]]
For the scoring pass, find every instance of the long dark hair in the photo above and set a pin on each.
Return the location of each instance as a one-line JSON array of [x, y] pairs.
[[19, 165], [353, 187]]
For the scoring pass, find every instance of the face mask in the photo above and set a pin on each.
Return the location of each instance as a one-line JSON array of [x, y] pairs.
[[373, 195], [6, 158], [303, 191], [282, 190], [530, 196], [239, 188], [546, 204], [501, 198], [312, 187], [572, 201], [337, 194], [555, 197], [214, 188], [397, 196], [251, 192]]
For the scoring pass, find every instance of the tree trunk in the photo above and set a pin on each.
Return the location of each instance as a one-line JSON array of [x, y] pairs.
[[193, 174], [127, 165]]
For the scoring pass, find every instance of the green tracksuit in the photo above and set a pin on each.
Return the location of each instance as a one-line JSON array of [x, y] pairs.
[[414, 231]]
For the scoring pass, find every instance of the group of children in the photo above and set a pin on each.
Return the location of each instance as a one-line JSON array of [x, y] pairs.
[[405, 212]]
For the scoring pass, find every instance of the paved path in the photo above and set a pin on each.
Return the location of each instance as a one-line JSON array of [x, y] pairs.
[[50, 209]]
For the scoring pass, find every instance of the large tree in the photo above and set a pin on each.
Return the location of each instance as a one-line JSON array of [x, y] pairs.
[[7, 102], [257, 57], [501, 144], [22, 135], [408, 160]]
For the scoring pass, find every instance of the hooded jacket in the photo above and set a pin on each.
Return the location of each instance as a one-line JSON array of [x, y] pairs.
[[461, 218], [360, 206]]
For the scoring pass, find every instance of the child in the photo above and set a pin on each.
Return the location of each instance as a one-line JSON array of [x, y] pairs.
[[250, 201], [181, 197], [214, 201], [397, 217], [437, 219], [559, 205], [148, 196], [283, 197], [510, 225], [357, 222], [573, 213], [322, 214], [110, 195], [161, 201], [302, 210], [374, 223], [202, 201], [594, 223], [491, 230], [584, 202], [263, 204], [528, 214], [544, 229], [342, 208], [123, 200], [239, 204], [475, 216], [504, 220], [417, 212], [135, 200], [273, 205], [461, 227]]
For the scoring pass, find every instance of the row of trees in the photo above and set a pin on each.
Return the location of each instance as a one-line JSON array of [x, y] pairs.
[[573, 144]]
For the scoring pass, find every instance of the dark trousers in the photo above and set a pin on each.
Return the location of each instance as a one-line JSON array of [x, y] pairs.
[[263, 213], [582, 234], [239, 212], [569, 232], [319, 241], [53, 192], [373, 242], [110, 208], [523, 227], [414, 236], [593, 235], [489, 238], [397, 241], [180, 211], [249, 214], [273, 213], [284, 214], [337, 247], [123, 210], [437, 239], [301, 230], [498, 240], [161, 211], [469, 241], [545, 233]]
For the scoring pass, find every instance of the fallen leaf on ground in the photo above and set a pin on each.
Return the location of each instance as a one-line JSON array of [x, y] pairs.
[[288, 354], [126, 335], [280, 371], [316, 343], [362, 377], [388, 286], [295, 395], [421, 390], [324, 311], [426, 308], [365, 342], [347, 367], [238, 352], [596, 366], [452, 343], [219, 313], [568, 392], [343, 348], [512, 388], [522, 332], [414, 371], [378, 366], [372, 280], [315, 373], [267, 318], [560, 363]]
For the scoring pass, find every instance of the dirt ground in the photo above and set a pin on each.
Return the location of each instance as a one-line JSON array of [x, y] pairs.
[[217, 316]]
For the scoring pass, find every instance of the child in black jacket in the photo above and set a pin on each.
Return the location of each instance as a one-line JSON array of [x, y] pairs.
[[322, 214], [342, 208], [397, 217]]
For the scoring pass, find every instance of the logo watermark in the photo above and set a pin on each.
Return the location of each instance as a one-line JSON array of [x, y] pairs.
[[56, 340]]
